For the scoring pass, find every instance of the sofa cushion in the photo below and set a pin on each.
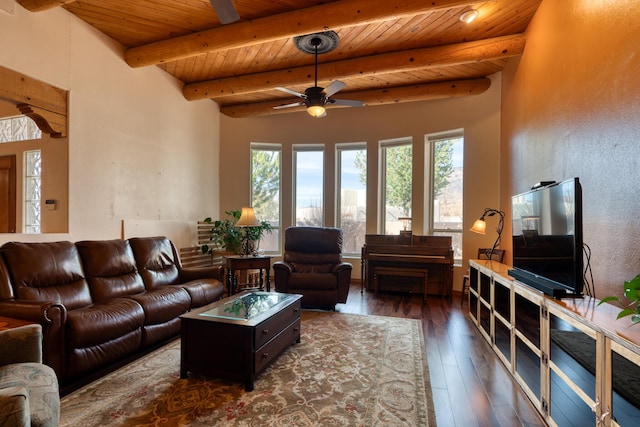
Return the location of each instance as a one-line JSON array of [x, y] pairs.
[[49, 271], [102, 322], [313, 281], [312, 268], [303, 258], [156, 261], [42, 385], [163, 304], [203, 291], [110, 268]]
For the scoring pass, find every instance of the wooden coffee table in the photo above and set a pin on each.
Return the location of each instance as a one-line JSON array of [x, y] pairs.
[[237, 337]]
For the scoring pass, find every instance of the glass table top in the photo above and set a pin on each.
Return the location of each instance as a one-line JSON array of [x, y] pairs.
[[247, 306]]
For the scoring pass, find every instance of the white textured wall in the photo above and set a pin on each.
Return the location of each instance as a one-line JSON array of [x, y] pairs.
[[138, 150]]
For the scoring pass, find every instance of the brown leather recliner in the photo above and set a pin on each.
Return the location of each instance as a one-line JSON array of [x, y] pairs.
[[312, 266]]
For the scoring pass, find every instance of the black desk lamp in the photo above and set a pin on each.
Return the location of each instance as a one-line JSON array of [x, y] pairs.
[[480, 227]]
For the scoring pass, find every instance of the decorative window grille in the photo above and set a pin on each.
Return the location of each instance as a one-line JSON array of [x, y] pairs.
[[32, 190], [20, 128]]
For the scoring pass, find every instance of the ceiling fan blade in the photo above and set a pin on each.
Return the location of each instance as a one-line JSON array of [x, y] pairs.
[[347, 102], [291, 92], [225, 10], [295, 104], [334, 87]]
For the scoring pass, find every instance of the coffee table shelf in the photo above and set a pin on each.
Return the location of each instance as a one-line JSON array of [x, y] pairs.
[[238, 337]]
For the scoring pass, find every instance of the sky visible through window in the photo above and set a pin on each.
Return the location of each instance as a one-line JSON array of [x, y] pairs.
[[309, 176]]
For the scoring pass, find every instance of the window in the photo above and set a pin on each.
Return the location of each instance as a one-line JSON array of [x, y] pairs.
[[351, 184], [32, 190], [266, 166], [308, 167], [20, 128], [396, 160], [445, 158]]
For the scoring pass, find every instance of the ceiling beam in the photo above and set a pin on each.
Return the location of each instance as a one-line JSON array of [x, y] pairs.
[[40, 5], [329, 16], [45, 104], [391, 95], [403, 61]]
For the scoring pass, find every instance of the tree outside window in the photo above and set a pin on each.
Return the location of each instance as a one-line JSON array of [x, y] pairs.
[[397, 184], [265, 191], [447, 198]]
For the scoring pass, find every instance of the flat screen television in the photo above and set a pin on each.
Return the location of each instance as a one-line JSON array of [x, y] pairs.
[[547, 238]]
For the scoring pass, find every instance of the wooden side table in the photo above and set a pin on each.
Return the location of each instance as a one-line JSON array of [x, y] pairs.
[[248, 262], [10, 323]]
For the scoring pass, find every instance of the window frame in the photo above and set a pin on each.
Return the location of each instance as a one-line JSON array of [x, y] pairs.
[[340, 149], [295, 150], [430, 140], [36, 227], [260, 146], [383, 145]]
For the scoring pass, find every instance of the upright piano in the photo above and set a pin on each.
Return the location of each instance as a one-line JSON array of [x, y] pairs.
[[407, 262]]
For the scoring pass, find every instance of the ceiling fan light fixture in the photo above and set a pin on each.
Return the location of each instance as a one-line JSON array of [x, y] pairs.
[[316, 110], [469, 16]]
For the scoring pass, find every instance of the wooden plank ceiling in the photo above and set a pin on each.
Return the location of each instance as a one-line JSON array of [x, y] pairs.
[[388, 52]]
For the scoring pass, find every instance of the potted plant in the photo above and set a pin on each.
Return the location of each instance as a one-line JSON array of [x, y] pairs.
[[632, 292], [226, 234]]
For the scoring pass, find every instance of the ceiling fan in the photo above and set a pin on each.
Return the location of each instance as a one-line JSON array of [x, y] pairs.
[[316, 98], [225, 10]]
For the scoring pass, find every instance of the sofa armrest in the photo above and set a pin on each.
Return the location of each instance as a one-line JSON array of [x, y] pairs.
[[43, 312], [193, 273], [52, 317], [21, 344]]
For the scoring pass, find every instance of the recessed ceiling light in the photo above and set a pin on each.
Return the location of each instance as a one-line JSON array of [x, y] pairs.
[[469, 16]]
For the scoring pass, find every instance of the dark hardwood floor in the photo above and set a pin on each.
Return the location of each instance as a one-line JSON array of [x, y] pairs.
[[470, 385]]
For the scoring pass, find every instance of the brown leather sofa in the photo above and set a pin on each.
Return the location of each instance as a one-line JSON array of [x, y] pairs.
[[312, 266], [102, 301]]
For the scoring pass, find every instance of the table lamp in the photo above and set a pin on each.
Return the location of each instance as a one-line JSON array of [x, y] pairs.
[[247, 219]]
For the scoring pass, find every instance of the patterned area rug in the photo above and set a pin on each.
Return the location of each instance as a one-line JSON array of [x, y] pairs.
[[348, 370]]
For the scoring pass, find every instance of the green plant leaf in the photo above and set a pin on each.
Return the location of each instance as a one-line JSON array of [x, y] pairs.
[[626, 312], [608, 299]]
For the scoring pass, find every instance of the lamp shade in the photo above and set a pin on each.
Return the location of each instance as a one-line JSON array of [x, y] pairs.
[[248, 218], [406, 222], [480, 226], [316, 110]]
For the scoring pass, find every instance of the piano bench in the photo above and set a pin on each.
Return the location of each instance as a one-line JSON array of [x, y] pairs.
[[399, 271]]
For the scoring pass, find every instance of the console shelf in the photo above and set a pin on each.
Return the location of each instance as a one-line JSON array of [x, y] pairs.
[[573, 359]]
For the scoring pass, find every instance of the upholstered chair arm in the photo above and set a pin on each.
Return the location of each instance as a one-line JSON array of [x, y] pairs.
[[14, 406], [21, 344], [283, 266], [191, 273], [342, 267], [281, 271], [343, 272]]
